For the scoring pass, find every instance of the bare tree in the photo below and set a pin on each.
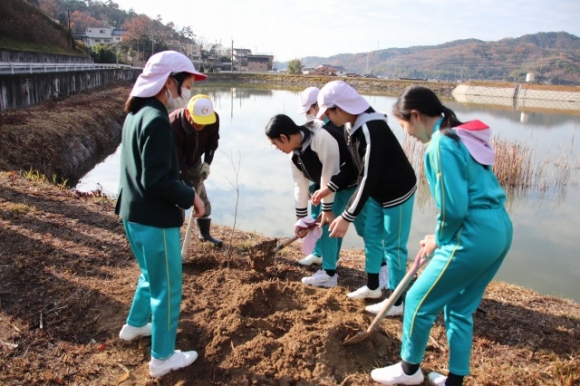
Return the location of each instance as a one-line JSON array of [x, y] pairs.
[[236, 186]]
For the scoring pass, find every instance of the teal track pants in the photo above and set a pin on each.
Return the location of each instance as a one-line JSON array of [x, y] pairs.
[[329, 247], [455, 280], [386, 234], [158, 292]]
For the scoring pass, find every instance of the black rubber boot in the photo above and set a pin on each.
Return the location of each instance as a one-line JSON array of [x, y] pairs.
[[204, 224]]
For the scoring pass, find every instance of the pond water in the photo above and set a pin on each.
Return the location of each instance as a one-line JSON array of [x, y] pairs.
[[545, 253]]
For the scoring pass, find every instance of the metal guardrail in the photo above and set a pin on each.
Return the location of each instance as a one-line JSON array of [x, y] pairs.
[[34, 68]]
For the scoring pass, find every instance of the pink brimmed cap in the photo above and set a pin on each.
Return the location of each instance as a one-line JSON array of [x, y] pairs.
[[157, 70], [341, 94]]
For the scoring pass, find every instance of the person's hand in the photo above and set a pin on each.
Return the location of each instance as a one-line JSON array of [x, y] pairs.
[[429, 245], [300, 232], [198, 207], [326, 218], [320, 194], [204, 171], [338, 227]]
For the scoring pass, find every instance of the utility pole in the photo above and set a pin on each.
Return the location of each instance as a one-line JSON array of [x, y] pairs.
[[72, 41], [232, 68]]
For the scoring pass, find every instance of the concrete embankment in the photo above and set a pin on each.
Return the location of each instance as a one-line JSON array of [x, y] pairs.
[[520, 96]]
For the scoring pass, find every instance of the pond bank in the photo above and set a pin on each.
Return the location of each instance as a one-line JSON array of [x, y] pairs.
[[64, 137], [67, 277]]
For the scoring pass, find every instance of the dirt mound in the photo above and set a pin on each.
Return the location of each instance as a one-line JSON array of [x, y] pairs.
[[67, 278]]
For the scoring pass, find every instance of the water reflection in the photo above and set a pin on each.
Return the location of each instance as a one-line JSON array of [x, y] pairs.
[[546, 214]]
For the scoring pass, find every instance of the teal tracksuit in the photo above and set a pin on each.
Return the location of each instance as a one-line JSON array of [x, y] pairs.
[[150, 202], [473, 234], [386, 191]]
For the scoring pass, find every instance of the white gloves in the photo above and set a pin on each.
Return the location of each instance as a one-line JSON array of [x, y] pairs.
[[204, 171]]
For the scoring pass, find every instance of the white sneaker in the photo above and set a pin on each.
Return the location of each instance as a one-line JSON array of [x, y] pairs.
[[394, 375], [394, 311], [310, 259], [436, 379], [384, 277], [129, 333], [365, 292], [321, 279], [158, 368]]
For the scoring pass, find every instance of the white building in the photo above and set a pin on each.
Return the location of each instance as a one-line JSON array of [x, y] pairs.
[[103, 35]]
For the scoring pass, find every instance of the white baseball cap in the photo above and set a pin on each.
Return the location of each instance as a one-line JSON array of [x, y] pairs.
[[200, 109], [157, 70], [341, 94], [307, 99]]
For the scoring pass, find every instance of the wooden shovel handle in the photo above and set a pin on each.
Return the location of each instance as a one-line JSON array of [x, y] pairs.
[[419, 262], [188, 232], [285, 244]]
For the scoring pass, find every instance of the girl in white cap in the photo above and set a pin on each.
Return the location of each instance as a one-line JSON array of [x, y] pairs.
[[472, 236], [386, 187], [308, 105], [150, 199], [318, 155]]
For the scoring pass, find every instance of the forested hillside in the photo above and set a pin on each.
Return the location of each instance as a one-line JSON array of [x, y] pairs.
[[553, 56], [24, 27], [43, 25]]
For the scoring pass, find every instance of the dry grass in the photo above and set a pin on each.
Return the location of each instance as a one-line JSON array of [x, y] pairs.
[[518, 169]]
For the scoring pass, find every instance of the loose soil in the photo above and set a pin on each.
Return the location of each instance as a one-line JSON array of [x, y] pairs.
[[67, 278]]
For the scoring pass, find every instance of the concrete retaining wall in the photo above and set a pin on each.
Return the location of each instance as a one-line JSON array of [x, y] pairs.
[[518, 97], [38, 57], [23, 90]]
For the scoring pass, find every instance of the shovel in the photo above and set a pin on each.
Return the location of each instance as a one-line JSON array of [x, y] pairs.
[[291, 240], [261, 255], [188, 232], [362, 335]]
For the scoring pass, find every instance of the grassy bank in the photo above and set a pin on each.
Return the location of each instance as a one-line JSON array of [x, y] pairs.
[[299, 82]]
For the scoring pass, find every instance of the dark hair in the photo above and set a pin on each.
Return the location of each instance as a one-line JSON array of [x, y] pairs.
[[425, 101], [180, 78], [134, 104], [284, 125]]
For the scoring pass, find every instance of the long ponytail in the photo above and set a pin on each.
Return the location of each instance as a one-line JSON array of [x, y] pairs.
[[425, 101]]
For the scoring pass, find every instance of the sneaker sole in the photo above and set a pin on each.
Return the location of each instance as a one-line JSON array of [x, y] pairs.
[[172, 369], [309, 264], [321, 285]]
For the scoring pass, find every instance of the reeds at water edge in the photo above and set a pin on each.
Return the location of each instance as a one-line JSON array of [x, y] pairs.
[[519, 170]]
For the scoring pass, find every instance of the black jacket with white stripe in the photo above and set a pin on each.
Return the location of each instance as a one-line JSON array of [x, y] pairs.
[[385, 173], [324, 159]]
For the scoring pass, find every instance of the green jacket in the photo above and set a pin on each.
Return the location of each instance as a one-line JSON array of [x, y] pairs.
[[150, 191]]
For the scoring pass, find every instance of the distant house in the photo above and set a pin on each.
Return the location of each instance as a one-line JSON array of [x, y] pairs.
[[325, 70], [241, 56], [308, 70], [340, 71], [103, 35], [191, 50], [260, 63]]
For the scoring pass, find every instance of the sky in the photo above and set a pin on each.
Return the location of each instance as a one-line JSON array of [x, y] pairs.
[[295, 29]]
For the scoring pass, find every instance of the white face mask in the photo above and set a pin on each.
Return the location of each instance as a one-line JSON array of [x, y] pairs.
[[170, 98], [310, 117], [185, 94]]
